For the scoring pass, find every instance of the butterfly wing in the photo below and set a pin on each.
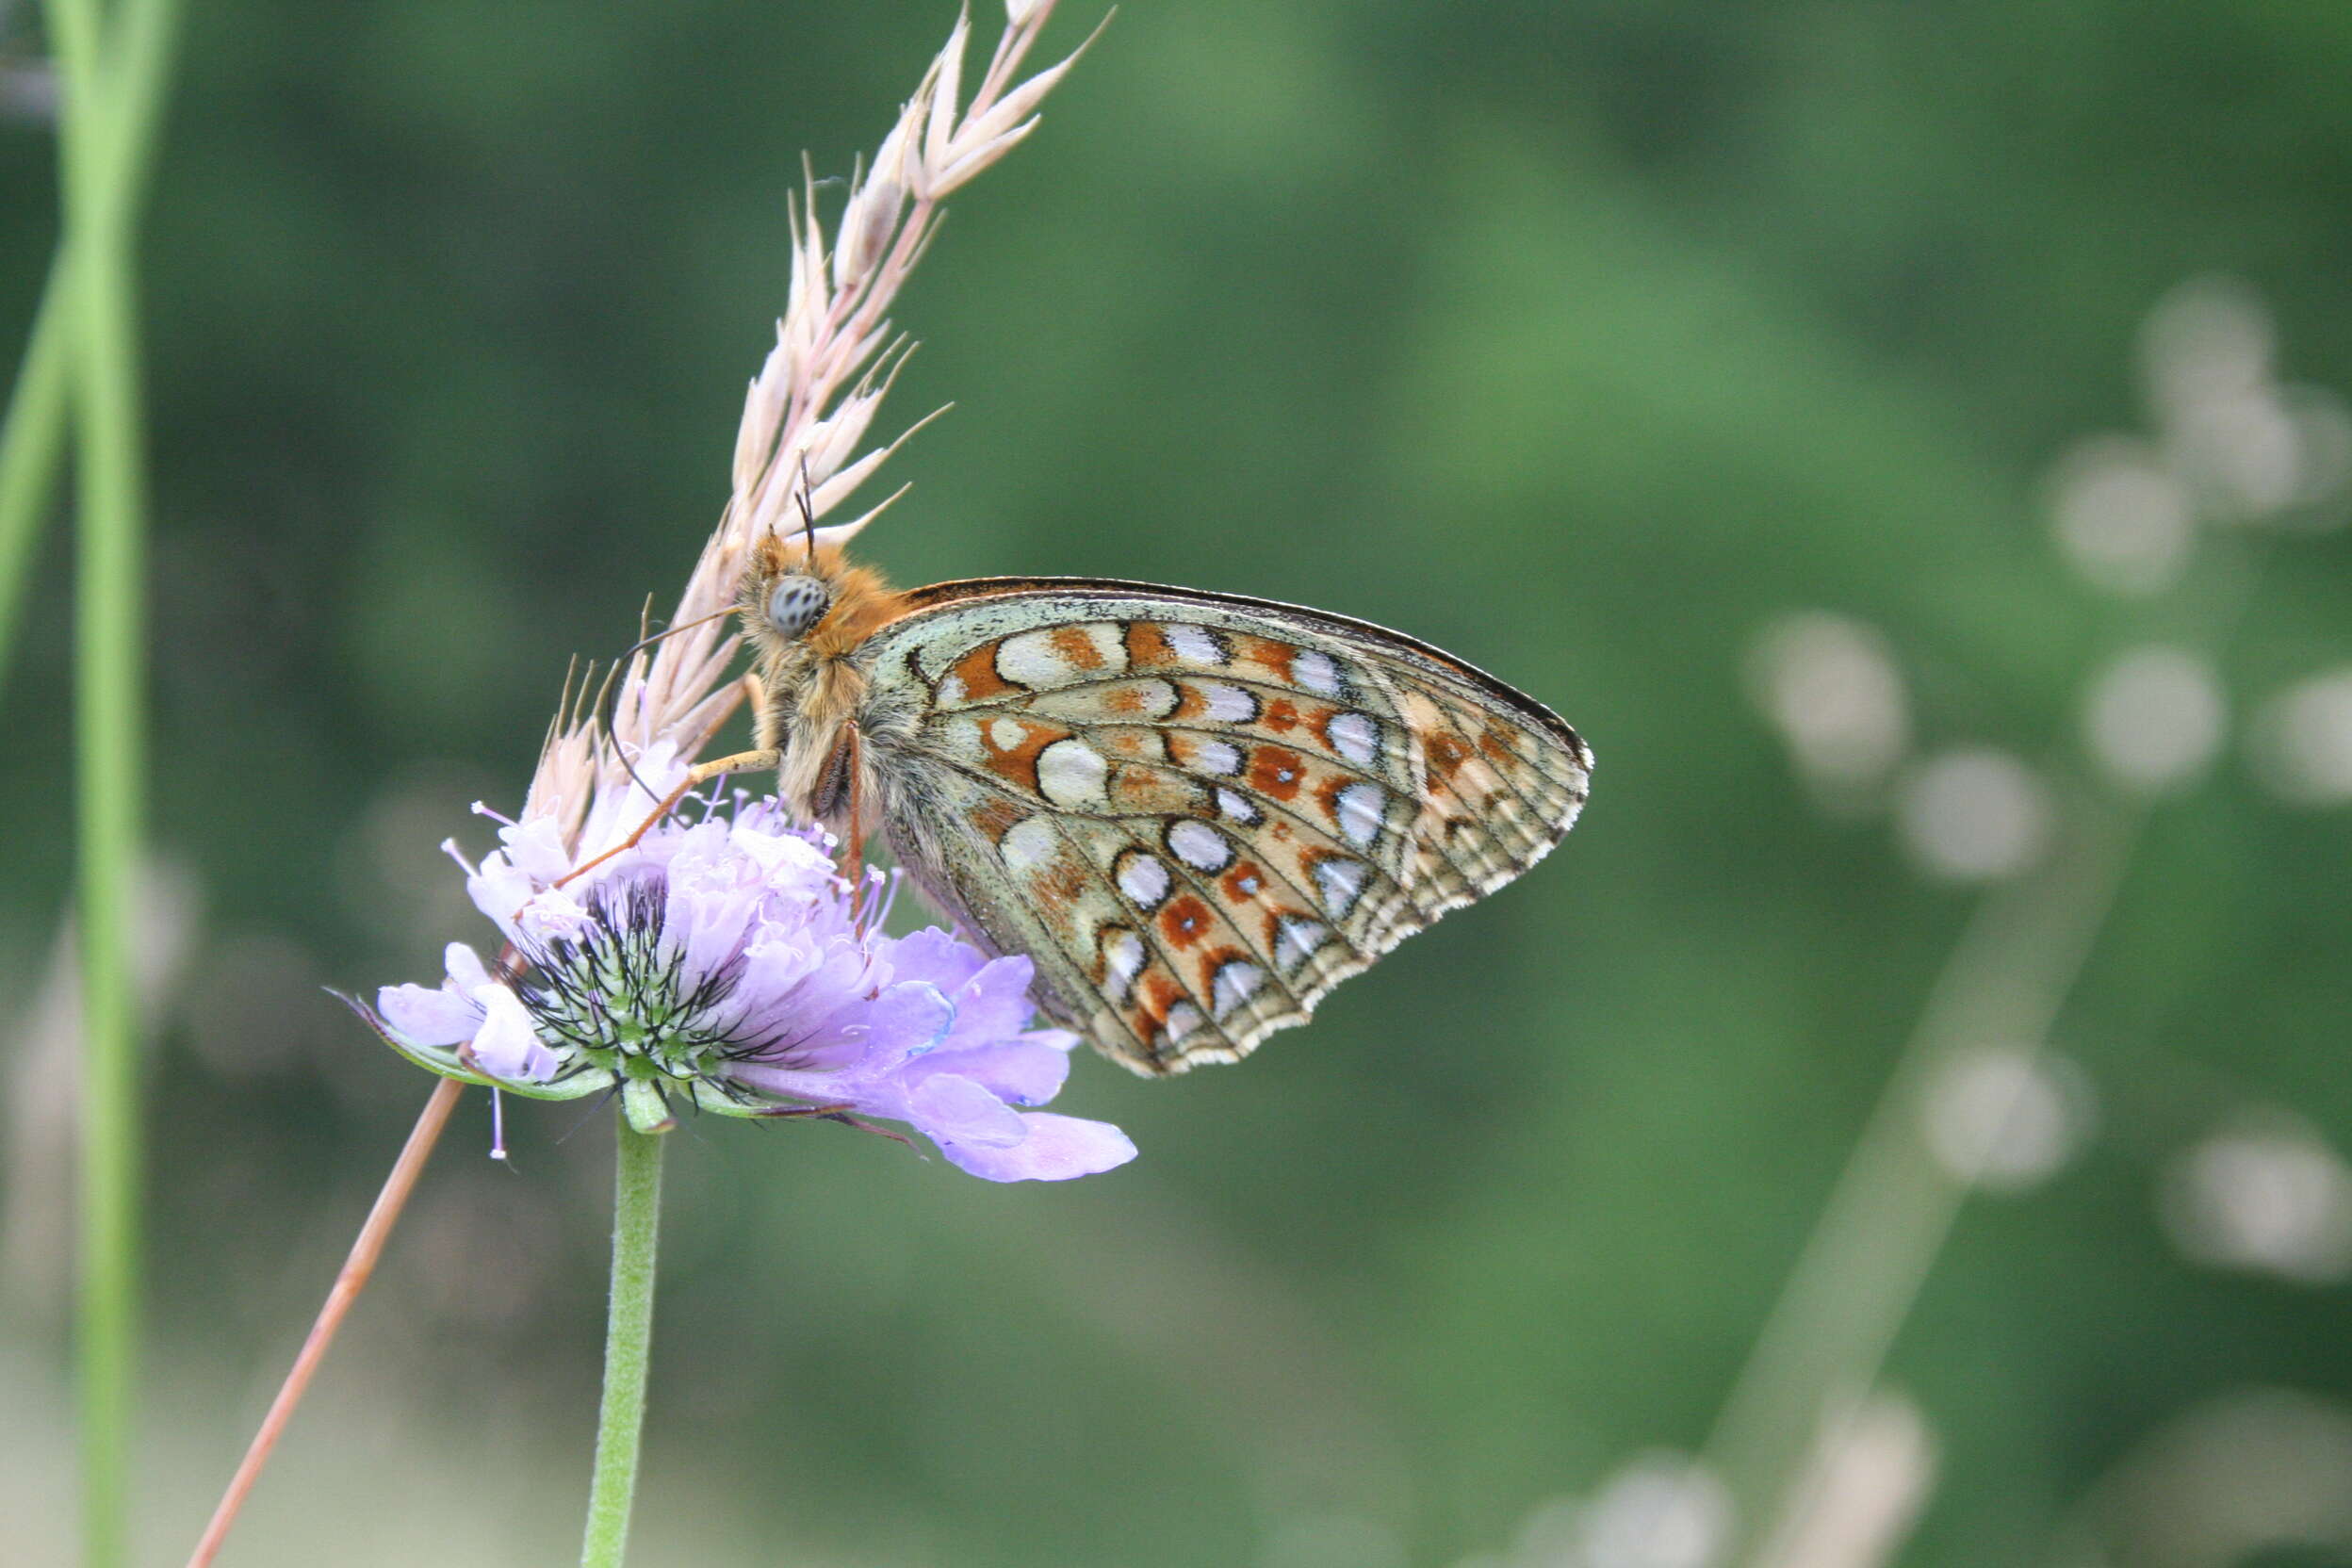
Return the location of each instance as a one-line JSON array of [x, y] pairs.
[[1196, 812]]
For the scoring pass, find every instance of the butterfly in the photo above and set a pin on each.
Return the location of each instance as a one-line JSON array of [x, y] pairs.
[[1196, 812]]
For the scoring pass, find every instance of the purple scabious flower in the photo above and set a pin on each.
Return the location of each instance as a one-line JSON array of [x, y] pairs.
[[725, 966]]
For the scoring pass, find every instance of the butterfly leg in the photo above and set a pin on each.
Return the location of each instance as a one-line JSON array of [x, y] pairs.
[[853, 744], [838, 795], [837, 1113], [742, 761]]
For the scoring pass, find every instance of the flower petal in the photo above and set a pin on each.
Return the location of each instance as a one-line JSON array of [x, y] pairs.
[[951, 1110], [905, 1020], [535, 848], [1058, 1148], [1024, 1071], [792, 865], [933, 954], [464, 966], [780, 962], [709, 904], [853, 1056], [428, 1017], [498, 890], [994, 1004], [507, 1046]]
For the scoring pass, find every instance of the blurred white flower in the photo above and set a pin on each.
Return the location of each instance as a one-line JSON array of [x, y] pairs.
[[2302, 741], [2323, 432], [2267, 1194], [2007, 1118], [1830, 686], [2242, 450], [2120, 517], [1662, 1511], [1973, 815], [2209, 337], [2154, 717], [2253, 1475], [1869, 1472], [2251, 449], [2207, 349]]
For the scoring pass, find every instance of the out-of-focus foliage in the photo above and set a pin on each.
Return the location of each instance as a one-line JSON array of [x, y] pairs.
[[1585, 338]]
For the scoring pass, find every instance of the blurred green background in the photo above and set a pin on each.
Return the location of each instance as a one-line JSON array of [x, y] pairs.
[[1586, 338]]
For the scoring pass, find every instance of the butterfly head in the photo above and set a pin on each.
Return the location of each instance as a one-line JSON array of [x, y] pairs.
[[796, 603], [793, 600]]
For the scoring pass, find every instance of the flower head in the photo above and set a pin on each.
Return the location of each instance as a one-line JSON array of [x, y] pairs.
[[725, 965]]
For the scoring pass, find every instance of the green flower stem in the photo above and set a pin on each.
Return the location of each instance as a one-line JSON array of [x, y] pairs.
[[95, 298], [30, 445], [628, 1341], [32, 441]]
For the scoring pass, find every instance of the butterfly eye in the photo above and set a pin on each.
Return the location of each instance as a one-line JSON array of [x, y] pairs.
[[797, 603]]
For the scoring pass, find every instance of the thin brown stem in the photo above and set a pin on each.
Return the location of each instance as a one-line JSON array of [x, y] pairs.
[[348, 1284]]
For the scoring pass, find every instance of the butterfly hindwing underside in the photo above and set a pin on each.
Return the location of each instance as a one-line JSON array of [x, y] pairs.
[[1198, 813]]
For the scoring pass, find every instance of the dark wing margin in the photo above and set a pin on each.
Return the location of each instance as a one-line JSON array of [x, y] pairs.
[[962, 590]]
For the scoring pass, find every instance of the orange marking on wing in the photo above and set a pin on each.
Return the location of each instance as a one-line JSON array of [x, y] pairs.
[[1327, 794], [1190, 703], [1127, 699], [1073, 644], [1100, 971], [1142, 787], [1495, 743], [1274, 919], [994, 815], [1281, 716], [1019, 761], [1244, 882], [1160, 993], [1065, 883], [1148, 645], [1447, 754], [1276, 771], [1183, 922], [1215, 959], [1268, 655], [978, 671]]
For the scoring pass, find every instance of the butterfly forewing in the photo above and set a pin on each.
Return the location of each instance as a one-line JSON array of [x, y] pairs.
[[1198, 813]]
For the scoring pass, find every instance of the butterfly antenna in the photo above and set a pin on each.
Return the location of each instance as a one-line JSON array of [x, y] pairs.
[[606, 708], [607, 703], [807, 514]]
